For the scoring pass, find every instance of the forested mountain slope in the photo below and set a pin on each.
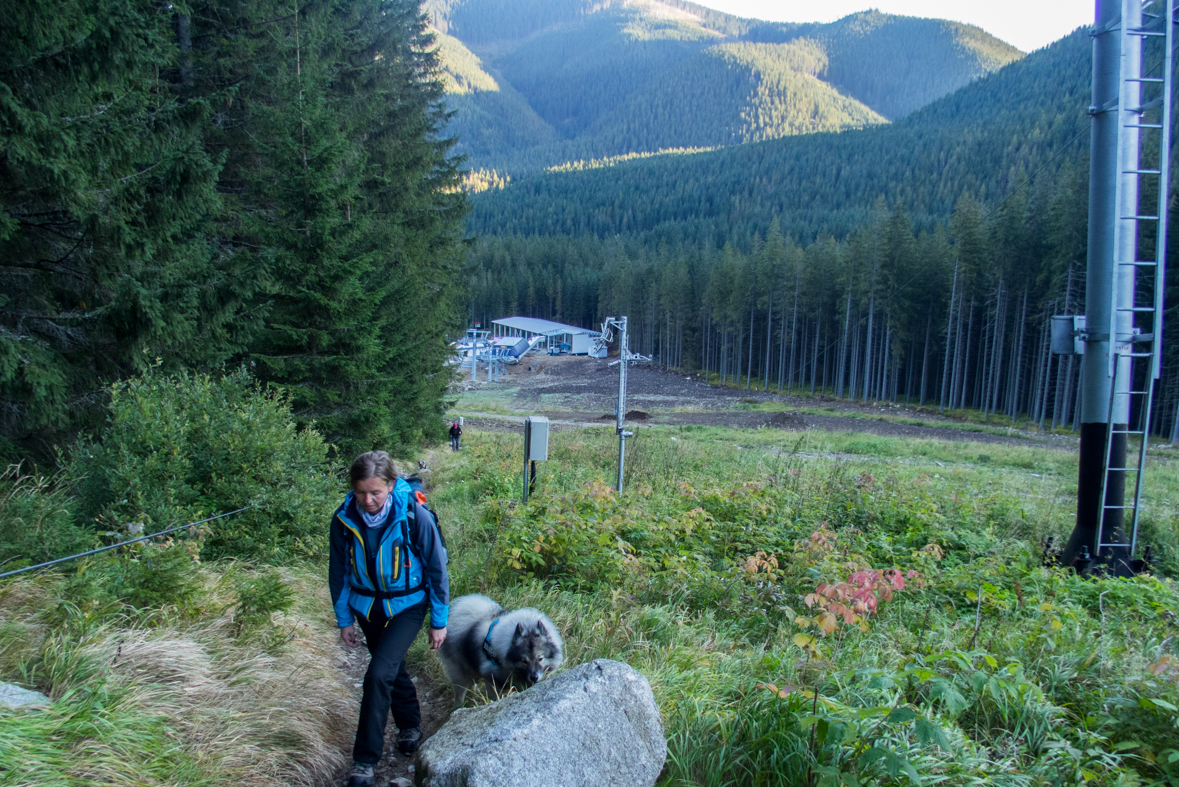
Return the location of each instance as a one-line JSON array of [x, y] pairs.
[[979, 140], [540, 83]]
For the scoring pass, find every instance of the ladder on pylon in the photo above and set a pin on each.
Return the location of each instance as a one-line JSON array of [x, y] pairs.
[[1144, 116]]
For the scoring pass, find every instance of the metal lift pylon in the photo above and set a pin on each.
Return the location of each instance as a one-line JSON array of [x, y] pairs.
[[625, 356], [1124, 325]]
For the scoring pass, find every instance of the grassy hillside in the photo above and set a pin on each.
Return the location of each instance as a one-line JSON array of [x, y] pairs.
[[986, 668], [722, 575], [981, 139], [614, 78]]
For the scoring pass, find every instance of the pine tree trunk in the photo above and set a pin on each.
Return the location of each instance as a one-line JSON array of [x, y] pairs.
[[781, 352], [1017, 361], [722, 360], [1015, 370], [769, 337], [738, 350], [826, 383], [949, 342], [793, 334], [1000, 339], [956, 385], [853, 385], [704, 343], [868, 349], [815, 360], [966, 356], [749, 363], [843, 346], [925, 359], [1068, 393], [1044, 369]]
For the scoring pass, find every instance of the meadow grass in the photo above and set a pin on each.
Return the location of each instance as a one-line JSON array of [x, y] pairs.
[[986, 668], [998, 670], [172, 695]]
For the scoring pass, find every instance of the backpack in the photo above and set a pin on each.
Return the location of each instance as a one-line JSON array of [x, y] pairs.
[[418, 491]]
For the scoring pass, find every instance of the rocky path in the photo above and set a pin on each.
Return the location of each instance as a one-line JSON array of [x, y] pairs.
[[435, 702], [435, 699]]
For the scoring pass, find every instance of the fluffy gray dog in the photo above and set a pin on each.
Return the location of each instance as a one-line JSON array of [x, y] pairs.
[[486, 642]]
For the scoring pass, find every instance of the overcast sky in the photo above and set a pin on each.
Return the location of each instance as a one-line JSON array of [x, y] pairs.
[[1026, 25]]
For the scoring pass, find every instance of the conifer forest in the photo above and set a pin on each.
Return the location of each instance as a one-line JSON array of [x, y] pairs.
[[202, 185], [916, 262]]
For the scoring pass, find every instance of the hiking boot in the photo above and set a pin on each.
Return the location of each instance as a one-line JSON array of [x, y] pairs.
[[363, 775], [408, 740]]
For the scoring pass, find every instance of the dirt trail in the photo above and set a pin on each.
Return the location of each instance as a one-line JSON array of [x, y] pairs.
[[580, 393], [434, 698], [435, 702]]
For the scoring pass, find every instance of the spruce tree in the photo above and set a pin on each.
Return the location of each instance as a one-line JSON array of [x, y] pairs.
[[345, 204], [104, 196]]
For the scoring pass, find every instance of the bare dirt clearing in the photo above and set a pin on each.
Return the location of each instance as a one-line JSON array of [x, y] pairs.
[[578, 392]]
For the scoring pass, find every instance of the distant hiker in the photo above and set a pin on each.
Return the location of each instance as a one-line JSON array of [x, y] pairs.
[[456, 432], [387, 568]]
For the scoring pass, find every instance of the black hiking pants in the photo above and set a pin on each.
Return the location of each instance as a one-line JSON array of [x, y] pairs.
[[387, 685]]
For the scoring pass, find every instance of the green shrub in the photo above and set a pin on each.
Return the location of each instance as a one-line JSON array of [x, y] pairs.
[[258, 597], [181, 448], [36, 524], [150, 576], [141, 578]]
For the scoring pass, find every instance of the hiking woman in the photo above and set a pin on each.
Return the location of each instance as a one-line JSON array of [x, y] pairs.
[[388, 567]]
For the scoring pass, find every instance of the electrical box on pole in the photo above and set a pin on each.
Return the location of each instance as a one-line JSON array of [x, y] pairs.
[[536, 437], [536, 449], [1068, 335]]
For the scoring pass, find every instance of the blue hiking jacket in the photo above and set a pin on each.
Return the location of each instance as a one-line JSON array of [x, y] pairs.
[[409, 565]]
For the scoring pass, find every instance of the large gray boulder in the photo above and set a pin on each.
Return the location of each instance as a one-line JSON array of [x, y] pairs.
[[13, 696], [595, 725]]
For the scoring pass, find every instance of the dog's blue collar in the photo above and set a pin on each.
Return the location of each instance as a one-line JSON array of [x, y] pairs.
[[487, 651]]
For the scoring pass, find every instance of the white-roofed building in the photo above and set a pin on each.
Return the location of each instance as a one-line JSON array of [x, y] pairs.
[[580, 340]]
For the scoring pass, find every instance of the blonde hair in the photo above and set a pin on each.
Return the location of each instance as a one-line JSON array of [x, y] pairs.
[[374, 464]]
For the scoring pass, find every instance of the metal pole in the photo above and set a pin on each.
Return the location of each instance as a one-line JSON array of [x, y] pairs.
[[527, 445], [623, 355], [1109, 200], [621, 458]]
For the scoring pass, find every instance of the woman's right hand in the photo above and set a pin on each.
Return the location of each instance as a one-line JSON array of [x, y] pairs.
[[349, 636]]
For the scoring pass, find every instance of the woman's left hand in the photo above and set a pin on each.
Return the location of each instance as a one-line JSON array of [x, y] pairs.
[[437, 637]]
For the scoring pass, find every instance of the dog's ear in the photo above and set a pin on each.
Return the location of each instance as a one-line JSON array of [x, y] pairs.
[[540, 627], [519, 629]]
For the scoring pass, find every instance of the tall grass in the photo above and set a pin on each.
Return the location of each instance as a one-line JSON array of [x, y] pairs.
[[172, 695], [1029, 675]]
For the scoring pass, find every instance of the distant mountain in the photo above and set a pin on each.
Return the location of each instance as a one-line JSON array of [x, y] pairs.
[[981, 140], [541, 82]]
